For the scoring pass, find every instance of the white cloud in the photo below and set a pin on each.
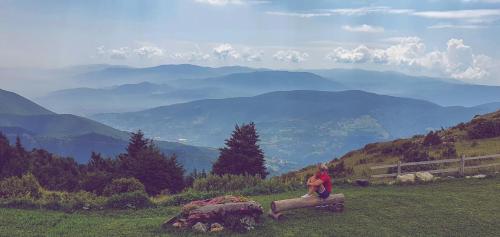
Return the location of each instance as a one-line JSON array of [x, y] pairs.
[[146, 51], [360, 54], [455, 26], [471, 16], [457, 61], [191, 56], [290, 56], [369, 10], [220, 2], [230, 2], [298, 14], [252, 56], [343, 11], [474, 15], [120, 53], [363, 28], [482, 1], [225, 51], [149, 51]]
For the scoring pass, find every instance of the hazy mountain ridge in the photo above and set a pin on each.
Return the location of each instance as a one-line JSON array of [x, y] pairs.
[[298, 126], [75, 136], [12, 103], [133, 97], [446, 92], [157, 74]]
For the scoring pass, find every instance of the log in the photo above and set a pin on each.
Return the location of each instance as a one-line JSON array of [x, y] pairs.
[[216, 211], [335, 201]]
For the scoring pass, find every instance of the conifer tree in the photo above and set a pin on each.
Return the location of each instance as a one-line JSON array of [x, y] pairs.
[[137, 143], [242, 154], [149, 165]]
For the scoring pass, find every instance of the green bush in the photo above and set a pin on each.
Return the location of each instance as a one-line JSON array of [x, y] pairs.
[[123, 185], [71, 201], [21, 203], [132, 200], [482, 128], [226, 183], [25, 186], [214, 185], [432, 139]]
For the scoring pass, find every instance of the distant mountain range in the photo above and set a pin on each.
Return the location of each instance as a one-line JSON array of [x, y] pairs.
[[123, 89], [446, 92], [158, 74], [296, 127], [133, 97], [75, 136]]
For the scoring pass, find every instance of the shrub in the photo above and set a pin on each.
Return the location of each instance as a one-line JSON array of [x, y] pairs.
[[123, 185], [340, 171], [25, 186], [22, 203], [432, 139], [449, 151], [416, 154], [226, 183], [137, 199], [95, 182], [54, 200], [482, 128], [273, 185]]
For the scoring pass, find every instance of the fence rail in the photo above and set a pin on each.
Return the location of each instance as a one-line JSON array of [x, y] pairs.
[[460, 169]]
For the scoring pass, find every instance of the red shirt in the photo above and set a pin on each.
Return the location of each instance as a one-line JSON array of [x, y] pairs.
[[327, 181]]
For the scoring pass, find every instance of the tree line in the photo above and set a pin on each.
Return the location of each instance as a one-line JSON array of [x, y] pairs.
[[142, 159]]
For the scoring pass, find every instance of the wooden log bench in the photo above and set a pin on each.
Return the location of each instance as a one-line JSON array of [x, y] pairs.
[[334, 202]]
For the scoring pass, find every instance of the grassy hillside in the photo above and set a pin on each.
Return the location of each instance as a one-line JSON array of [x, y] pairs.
[[480, 136], [373, 211]]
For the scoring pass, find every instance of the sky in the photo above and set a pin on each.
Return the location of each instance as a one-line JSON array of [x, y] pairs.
[[443, 38]]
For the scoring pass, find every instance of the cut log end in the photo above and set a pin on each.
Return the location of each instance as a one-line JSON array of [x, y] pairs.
[[274, 215]]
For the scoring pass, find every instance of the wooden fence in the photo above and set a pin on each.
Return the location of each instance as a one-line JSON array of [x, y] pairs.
[[461, 169]]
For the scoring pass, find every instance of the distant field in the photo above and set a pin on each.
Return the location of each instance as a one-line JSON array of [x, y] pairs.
[[462, 207]]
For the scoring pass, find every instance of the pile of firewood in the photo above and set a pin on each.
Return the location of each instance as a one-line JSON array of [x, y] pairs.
[[212, 215]]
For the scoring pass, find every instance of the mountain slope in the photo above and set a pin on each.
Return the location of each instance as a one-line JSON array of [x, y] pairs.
[[445, 92], [298, 127], [12, 103], [75, 136]]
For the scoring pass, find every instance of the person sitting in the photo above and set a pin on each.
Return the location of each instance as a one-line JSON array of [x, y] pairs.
[[320, 183]]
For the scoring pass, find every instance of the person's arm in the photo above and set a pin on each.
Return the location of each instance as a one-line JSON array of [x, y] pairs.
[[315, 182]]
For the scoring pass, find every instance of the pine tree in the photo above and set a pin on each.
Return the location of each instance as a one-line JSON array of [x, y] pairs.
[[149, 165], [242, 154], [19, 146], [137, 143]]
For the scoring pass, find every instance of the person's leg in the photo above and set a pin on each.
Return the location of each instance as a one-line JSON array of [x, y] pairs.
[[312, 188], [321, 188]]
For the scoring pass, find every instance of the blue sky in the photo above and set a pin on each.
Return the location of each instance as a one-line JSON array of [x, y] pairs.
[[445, 38]]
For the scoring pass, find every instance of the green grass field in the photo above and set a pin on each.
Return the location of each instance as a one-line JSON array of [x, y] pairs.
[[461, 207]]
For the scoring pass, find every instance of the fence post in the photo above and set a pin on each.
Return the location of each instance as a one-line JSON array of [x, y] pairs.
[[462, 166], [399, 167]]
